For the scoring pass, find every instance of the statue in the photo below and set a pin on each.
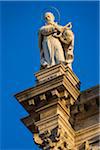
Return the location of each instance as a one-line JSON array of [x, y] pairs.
[[56, 43]]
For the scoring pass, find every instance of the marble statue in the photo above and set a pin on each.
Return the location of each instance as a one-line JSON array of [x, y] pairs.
[[56, 43]]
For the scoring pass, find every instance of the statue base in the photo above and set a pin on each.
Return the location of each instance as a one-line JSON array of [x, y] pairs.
[[57, 118], [48, 104]]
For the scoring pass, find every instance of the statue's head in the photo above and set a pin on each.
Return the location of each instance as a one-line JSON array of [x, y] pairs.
[[49, 17]]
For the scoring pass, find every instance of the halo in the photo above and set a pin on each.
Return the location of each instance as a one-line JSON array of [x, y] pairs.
[[53, 10]]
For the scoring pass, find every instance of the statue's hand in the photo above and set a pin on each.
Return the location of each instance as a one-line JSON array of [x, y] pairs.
[[55, 30], [69, 25]]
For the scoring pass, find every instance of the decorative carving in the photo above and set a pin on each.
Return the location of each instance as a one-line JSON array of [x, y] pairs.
[[31, 102], [56, 139], [85, 146], [56, 42], [55, 93], [37, 139], [64, 94], [42, 97]]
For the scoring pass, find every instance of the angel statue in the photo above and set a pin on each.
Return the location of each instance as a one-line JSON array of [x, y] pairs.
[[56, 43]]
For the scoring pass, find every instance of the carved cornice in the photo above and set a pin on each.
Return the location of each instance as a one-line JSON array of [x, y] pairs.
[[87, 134], [63, 76], [86, 109]]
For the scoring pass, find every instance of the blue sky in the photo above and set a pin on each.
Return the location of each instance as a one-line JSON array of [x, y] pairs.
[[20, 57]]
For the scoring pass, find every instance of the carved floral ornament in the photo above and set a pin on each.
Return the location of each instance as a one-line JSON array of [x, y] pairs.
[[56, 139]]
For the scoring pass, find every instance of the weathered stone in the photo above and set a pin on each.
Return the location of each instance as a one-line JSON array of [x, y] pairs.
[[59, 117]]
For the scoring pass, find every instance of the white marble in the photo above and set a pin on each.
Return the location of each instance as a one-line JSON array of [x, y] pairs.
[[56, 42]]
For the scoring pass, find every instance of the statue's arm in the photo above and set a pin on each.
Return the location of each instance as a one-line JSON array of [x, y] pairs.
[[47, 30]]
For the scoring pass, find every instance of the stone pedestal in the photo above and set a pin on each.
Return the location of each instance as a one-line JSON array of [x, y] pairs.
[[60, 117], [48, 105]]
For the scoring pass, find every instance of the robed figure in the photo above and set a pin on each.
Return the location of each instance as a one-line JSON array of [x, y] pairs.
[[55, 42]]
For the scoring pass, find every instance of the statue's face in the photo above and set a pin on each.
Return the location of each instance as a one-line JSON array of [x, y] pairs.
[[49, 17]]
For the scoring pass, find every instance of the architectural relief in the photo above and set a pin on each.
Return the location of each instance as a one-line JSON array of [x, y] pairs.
[[56, 43]]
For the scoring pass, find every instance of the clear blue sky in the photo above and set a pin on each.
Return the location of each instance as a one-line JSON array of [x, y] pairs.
[[20, 58]]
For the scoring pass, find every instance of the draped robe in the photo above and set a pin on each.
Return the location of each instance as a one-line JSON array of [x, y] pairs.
[[50, 47]]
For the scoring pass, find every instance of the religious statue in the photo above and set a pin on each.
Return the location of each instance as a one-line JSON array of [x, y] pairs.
[[56, 43]]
